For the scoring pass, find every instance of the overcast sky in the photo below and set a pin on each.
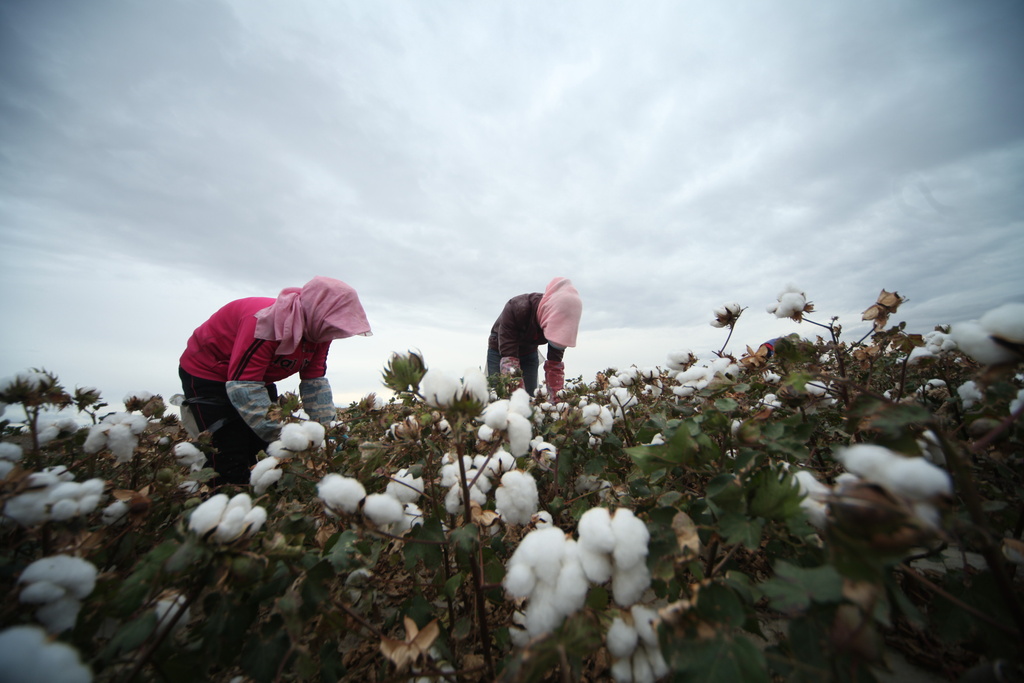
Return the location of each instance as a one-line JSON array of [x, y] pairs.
[[158, 159]]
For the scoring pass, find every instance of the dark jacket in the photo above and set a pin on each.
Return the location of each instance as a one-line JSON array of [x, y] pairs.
[[516, 332]]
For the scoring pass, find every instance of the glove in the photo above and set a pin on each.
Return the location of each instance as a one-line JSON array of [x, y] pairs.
[[252, 402], [510, 365], [554, 375], [318, 400]]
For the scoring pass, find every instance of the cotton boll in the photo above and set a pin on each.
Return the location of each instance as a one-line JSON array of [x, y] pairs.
[[449, 475], [474, 385], [519, 402], [341, 493], [571, 586], [628, 585], [542, 615], [231, 525], [60, 615], [315, 432], [294, 437], [1016, 403], [495, 415], [519, 433], [642, 671], [485, 433], [621, 639], [595, 530], [977, 343], [121, 442], [516, 499], [382, 509], [866, 460], [63, 510], [405, 487], [519, 580], [501, 461], [439, 388], [41, 592], [76, 576], [27, 509], [631, 537], [28, 655], [622, 670], [171, 609], [810, 486], [10, 452], [207, 514], [265, 474], [115, 513], [542, 549], [643, 620], [969, 393], [1005, 322], [596, 565], [453, 499], [917, 479]]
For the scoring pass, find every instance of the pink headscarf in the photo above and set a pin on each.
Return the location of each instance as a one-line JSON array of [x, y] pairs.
[[559, 312], [321, 311]]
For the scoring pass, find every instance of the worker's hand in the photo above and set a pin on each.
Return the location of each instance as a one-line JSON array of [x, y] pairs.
[[509, 365], [554, 375]]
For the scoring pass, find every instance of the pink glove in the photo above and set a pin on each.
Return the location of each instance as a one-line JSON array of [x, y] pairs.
[[509, 365], [554, 375]]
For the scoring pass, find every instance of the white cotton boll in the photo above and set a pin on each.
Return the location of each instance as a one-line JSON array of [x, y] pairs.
[[115, 513], [121, 442], [622, 670], [596, 565], [27, 509], [480, 480], [501, 461], [810, 486], [542, 449], [96, 440], [439, 388], [449, 475], [542, 549], [519, 432], [485, 433], [64, 490], [542, 616], [28, 655], [315, 432], [294, 437], [931, 448], [1016, 403], [866, 460], [571, 586], [917, 479], [231, 525], [453, 499], [519, 580], [6, 467], [188, 455], [595, 530], [1005, 322], [495, 415], [75, 575], [642, 671], [516, 499], [628, 585], [631, 537], [277, 449], [341, 493], [255, 519], [519, 402], [969, 393], [405, 487], [207, 514], [977, 343], [60, 615], [265, 474], [678, 360], [382, 509], [41, 592], [63, 510], [474, 385], [644, 619], [189, 487], [603, 422], [10, 451], [169, 609], [621, 639]]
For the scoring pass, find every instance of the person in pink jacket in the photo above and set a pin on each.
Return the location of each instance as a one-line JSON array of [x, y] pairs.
[[232, 360], [529, 320]]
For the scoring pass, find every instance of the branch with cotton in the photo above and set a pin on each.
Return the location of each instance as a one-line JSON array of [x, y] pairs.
[[681, 360], [726, 315], [698, 377], [118, 433], [188, 455], [223, 520], [632, 642], [791, 303], [58, 584], [297, 437], [29, 655], [60, 426], [512, 416], [936, 343]]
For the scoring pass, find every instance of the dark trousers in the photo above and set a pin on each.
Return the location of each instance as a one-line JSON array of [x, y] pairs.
[[529, 364], [235, 444]]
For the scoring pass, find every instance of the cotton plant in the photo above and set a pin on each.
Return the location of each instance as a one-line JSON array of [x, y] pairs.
[[632, 642], [994, 339], [118, 433], [791, 303], [223, 520], [58, 584], [29, 655]]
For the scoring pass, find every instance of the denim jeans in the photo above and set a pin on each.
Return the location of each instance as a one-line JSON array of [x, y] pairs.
[[529, 364]]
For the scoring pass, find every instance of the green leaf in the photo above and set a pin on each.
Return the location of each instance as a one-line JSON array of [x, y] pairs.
[[736, 528], [342, 553], [719, 660], [775, 497], [423, 544], [726, 405], [451, 586], [679, 449], [794, 588]]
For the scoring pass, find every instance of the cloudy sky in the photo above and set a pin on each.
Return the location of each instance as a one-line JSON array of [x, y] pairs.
[[158, 159]]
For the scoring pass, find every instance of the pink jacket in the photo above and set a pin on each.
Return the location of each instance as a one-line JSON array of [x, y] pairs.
[[225, 348]]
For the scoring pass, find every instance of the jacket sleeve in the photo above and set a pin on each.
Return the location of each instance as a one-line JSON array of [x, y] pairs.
[[318, 399], [252, 402]]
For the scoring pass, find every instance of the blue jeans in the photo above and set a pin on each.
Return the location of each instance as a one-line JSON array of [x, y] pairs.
[[529, 364]]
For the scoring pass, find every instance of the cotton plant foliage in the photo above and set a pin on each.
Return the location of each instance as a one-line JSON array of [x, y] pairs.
[[630, 528]]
